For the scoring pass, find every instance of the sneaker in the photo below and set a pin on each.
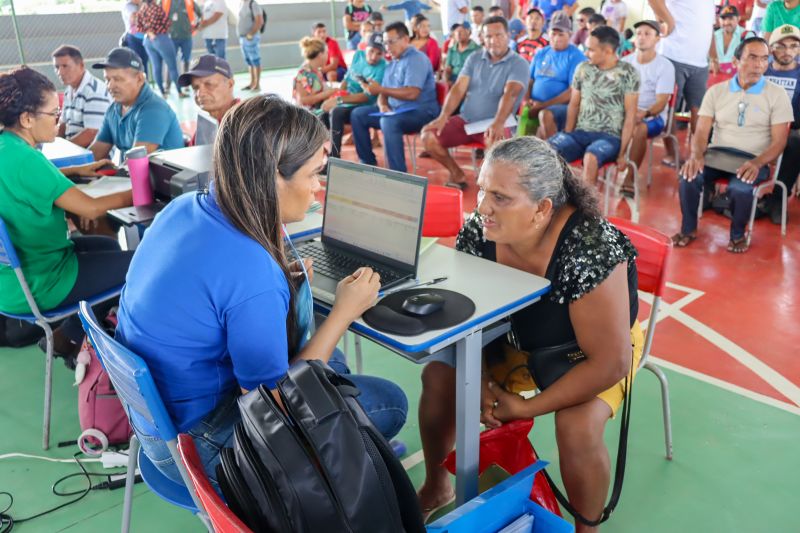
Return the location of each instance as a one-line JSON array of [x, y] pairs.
[[70, 357]]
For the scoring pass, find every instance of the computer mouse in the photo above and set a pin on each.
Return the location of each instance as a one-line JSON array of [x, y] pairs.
[[423, 304]]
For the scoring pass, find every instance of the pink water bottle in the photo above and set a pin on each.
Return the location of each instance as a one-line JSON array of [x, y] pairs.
[[139, 169]]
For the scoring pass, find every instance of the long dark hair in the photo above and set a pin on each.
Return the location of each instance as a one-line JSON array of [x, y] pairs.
[[260, 141], [22, 90]]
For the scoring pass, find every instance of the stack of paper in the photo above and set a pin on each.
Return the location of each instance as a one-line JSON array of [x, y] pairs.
[[105, 186]]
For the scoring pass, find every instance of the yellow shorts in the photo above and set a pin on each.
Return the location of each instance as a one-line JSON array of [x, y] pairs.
[[514, 376]]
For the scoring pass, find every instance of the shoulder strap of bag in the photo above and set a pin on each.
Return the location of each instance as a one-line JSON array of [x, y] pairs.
[[619, 471]]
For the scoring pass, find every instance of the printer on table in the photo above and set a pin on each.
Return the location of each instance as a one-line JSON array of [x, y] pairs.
[[174, 172]]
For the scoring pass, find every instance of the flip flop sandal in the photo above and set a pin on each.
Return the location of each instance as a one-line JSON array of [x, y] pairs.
[[428, 513], [668, 163], [681, 240], [738, 246]]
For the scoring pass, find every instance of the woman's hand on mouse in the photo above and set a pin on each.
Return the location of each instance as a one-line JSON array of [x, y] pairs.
[[357, 292]]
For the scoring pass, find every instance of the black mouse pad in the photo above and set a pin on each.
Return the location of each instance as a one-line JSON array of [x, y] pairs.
[[390, 317]]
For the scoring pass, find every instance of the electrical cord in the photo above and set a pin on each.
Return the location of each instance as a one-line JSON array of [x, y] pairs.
[[7, 521]]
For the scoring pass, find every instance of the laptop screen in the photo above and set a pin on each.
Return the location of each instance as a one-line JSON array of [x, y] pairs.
[[375, 211]]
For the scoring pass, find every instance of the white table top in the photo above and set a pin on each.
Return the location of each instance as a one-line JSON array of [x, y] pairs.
[[306, 229], [496, 289], [63, 153]]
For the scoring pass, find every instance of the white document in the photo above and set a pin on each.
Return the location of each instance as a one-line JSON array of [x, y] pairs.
[[105, 186], [482, 125]]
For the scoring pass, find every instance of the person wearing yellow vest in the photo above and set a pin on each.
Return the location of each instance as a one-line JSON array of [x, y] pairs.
[[184, 14]]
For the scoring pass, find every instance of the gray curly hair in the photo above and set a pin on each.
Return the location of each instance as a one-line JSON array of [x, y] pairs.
[[544, 174]]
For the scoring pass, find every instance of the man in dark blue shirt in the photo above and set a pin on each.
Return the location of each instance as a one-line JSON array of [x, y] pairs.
[[784, 71]]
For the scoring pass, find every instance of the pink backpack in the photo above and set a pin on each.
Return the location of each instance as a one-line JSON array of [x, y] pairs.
[[103, 419]]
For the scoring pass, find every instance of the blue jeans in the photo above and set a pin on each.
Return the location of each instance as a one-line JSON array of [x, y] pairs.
[[161, 50], [216, 47], [184, 46], [393, 129], [573, 145], [740, 193], [135, 43], [383, 401], [352, 43], [251, 50]]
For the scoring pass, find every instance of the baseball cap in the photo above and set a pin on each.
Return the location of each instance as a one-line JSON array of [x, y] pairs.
[[121, 58], [728, 11], [784, 32], [560, 21], [652, 23], [205, 65], [376, 41]]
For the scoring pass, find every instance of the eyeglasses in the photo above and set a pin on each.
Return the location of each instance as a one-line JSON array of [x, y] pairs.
[[390, 42], [742, 108], [782, 47], [56, 113]]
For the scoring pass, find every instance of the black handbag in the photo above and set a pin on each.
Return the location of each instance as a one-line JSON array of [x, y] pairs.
[[548, 364]]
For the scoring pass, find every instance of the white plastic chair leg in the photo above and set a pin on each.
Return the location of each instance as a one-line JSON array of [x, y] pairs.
[[48, 384], [649, 162], [412, 152], [662, 379], [359, 359], [130, 480]]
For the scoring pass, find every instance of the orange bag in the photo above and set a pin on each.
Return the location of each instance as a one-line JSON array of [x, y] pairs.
[[509, 448]]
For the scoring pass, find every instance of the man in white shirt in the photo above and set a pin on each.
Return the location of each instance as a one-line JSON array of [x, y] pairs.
[[453, 12], [657, 82], [85, 97], [215, 26], [686, 38]]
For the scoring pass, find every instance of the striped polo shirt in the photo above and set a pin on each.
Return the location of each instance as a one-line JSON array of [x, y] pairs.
[[85, 106]]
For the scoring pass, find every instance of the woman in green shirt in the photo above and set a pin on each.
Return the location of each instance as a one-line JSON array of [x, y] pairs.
[[34, 196]]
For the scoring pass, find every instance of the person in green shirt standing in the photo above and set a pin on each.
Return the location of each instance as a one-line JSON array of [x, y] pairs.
[[34, 196], [457, 54], [183, 14], [780, 13]]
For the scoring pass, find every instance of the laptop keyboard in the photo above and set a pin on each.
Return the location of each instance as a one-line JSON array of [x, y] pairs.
[[338, 265]]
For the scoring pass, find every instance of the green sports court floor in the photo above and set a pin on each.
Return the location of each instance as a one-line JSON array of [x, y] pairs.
[[735, 469]]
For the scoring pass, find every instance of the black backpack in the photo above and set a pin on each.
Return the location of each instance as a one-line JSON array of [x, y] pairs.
[[320, 465]]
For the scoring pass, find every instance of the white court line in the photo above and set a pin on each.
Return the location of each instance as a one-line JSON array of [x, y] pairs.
[[413, 460], [741, 391]]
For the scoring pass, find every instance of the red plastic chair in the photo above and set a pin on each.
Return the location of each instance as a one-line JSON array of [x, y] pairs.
[[444, 212], [222, 518], [654, 250]]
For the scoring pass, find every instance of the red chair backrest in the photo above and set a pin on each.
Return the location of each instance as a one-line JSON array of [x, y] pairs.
[[654, 249], [222, 518], [444, 212], [441, 92]]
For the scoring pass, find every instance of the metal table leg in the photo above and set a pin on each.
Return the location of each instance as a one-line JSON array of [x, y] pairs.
[[468, 400]]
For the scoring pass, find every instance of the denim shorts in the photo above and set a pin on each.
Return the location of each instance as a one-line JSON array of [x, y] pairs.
[[655, 126], [573, 145], [559, 112], [251, 50]]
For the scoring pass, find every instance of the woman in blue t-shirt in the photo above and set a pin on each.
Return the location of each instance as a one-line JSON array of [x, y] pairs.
[[214, 304]]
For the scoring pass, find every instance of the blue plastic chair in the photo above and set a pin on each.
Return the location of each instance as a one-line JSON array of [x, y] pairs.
[[8, 257], [137, 392]]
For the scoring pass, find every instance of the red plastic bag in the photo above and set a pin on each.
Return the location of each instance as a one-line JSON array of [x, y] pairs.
[[509, 448]]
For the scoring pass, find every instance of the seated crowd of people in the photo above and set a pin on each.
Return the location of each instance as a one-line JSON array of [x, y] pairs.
[[593, 96]]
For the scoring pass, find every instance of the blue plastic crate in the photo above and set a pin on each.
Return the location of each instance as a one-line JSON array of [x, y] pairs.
[[501, 505]]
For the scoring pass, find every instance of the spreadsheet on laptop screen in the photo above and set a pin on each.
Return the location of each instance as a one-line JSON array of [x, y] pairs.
[[377, 211]]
